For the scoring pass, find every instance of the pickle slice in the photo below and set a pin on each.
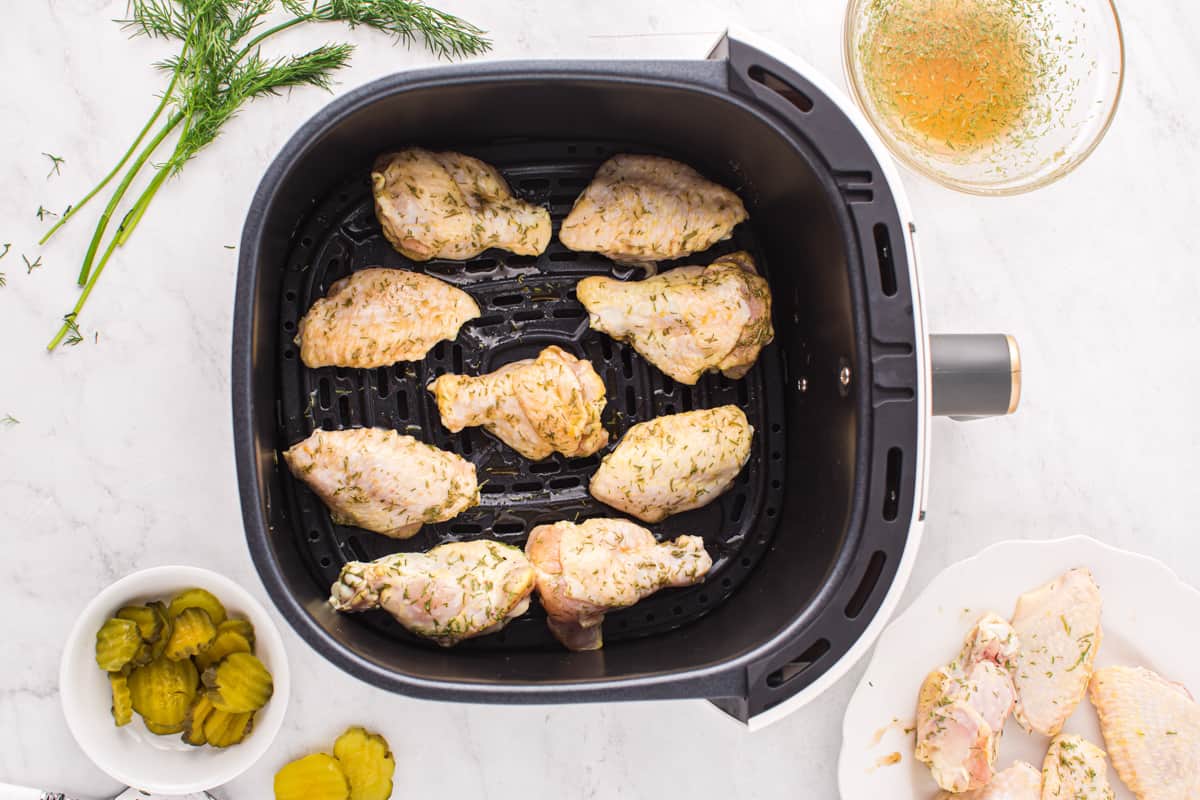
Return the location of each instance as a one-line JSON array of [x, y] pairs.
[[197, 598], [238, 684], [163, 691], [241, 626], [162, 730], [159, 646], [367, 762], [315, 777], [194, 632], [193, 725], [122, 703], [117, 642], [150, 625], [223, 729], [227, 642]]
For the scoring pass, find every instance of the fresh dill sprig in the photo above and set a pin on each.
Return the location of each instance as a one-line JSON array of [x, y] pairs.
[[30, 266], [73, 335], [43, 212], [7, 247], [56, 163], [3, 280], [9, 419], [218, 68]]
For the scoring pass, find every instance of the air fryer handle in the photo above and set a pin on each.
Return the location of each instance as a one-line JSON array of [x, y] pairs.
[[975, 375]]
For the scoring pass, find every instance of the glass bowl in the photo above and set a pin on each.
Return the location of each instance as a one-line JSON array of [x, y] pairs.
[[1072, 58]]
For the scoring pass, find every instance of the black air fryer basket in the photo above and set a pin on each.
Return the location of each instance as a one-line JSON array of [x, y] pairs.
[[815, 532]]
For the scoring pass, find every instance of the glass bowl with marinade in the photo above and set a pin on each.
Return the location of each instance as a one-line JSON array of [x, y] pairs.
[[989, 97]]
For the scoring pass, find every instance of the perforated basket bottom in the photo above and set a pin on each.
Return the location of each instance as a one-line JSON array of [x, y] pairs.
[[527, 303]]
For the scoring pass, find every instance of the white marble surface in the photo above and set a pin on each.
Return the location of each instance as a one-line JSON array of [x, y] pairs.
[[122, 458]]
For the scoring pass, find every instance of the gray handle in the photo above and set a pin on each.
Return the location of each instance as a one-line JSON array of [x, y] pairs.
[[975, 375]]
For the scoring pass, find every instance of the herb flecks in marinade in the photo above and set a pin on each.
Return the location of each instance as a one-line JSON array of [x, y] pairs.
[[218, 68]]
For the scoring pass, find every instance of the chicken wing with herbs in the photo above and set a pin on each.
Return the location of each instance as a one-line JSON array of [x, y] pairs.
[[376, 317], [452, 592], [537, 406], [449, 205], [674, 463], [1075, 769], [382, 481], [642, 209], [585, 570], [689, 320], [1021, 781]]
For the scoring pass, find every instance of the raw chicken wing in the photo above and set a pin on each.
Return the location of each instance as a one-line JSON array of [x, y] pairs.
[[376, 317], [674, 463], [384, 482], [453, 592], [1059, 628], [448, 205], [962, 707], [690, 320], [1021, 781], [586, 569], [1075, 769], [536, 406], [642, 209], [1151, 729]]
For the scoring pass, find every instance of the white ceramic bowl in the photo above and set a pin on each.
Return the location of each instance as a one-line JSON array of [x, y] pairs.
[[131, 754]]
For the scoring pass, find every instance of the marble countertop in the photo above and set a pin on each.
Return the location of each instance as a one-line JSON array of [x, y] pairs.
[[122, 458]]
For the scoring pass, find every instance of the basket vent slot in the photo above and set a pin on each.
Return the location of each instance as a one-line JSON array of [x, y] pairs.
[[887, 264], [797, 666], [891, 484], [867, 585], [782, 88]]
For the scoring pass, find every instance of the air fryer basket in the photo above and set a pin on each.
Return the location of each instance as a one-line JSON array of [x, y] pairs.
[[806, 544]]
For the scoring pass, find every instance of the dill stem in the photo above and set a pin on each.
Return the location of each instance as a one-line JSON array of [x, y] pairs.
[[166, 98], [83, 295], [102, 224]]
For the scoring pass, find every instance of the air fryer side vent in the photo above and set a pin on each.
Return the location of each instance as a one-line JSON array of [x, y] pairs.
[[891, 497], [781, 87], [887, 265], [797, 666]]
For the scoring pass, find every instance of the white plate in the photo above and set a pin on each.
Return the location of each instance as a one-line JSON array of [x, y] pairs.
[[1145, 604]]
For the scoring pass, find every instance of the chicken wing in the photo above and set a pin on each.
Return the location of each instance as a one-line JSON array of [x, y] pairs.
[[1021, 781], [642, 209], [453, 592], [1059, 628], [376, 317], [1151, 729], [1075, 769], [587, 569], [448, 205], [689, 320], [962, 707], [674, 463], [384, 482], [536, 406]]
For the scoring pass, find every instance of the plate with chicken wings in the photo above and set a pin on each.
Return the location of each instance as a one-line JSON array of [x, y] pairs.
[[1036, 669]]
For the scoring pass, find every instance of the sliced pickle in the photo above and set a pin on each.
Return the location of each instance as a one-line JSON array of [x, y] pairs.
[[227, 642], [159, 646], [163, 691], [367, 762], [117, 643], [162, 730], [198, 598], [122, 703], [238, 684], [241, 626], [193, 725], [223, 729], [194, 632], [315, 777], [150, 624]]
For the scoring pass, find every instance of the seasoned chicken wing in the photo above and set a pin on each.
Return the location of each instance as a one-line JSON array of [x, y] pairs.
[[1151, 729], [689, 320], [674, 463], [537, 406], [962, 707], [587, 569], [1075, 769], [1021, 781], [642, 209], [376, 317], [1059, 628], [453, 592], [448, 205], [384, 482]]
